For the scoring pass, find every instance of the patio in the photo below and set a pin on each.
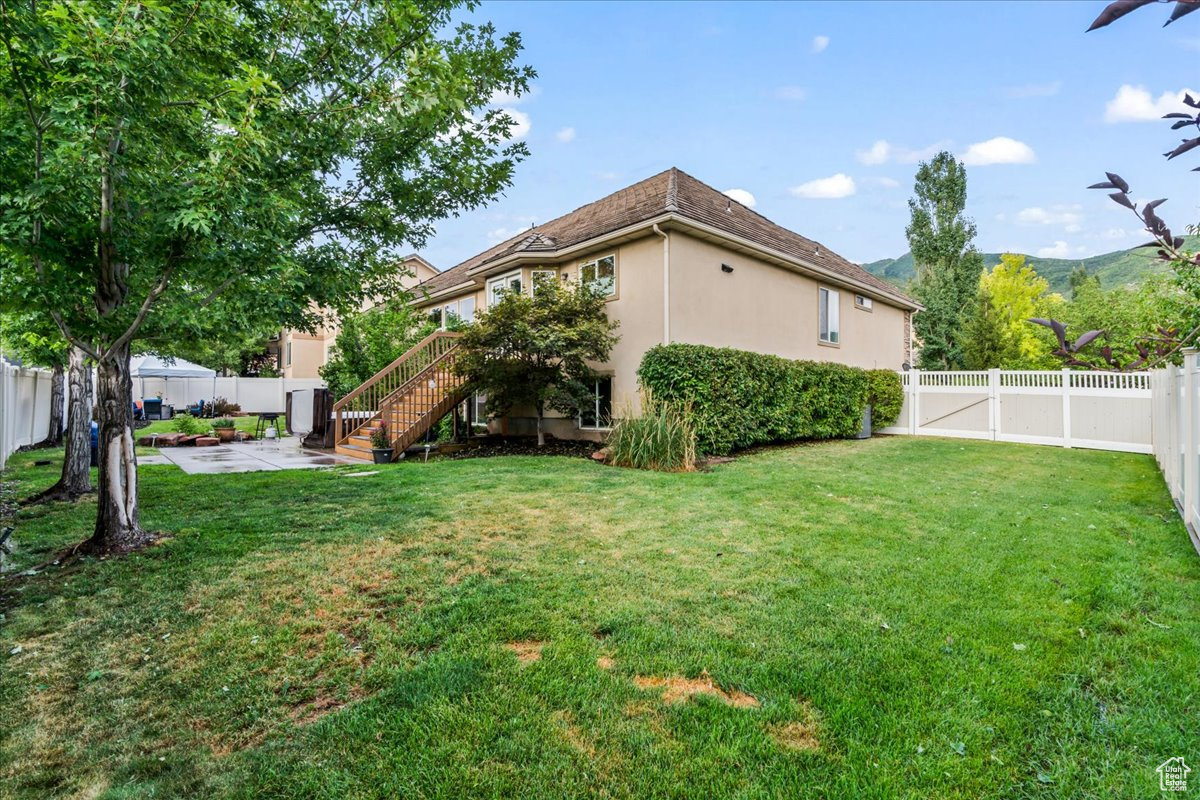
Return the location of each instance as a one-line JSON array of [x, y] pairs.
[[258, 456]]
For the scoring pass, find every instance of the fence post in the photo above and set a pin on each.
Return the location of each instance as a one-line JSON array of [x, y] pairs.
[[1191, 480], [914, 417], [1066, 407], [994, 403]]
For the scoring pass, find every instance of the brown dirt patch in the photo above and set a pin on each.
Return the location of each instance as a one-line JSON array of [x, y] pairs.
[[677, 690], [526, 652], [571, 732], [801, 736], [604, 662]]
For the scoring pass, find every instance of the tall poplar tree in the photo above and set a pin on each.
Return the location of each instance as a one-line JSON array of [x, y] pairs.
[[941, 238]]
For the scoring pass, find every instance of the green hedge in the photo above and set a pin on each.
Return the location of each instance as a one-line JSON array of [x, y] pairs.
[[886, 396], [740, 399]]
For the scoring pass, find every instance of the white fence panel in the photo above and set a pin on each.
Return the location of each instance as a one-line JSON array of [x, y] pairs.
[[24, 408], [254, 395], [1096, 410], [1176, 426]]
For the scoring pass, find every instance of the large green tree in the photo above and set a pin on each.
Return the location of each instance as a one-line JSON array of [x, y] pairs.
[[941, 238], [168, 168], [368, 341], [535, 351]]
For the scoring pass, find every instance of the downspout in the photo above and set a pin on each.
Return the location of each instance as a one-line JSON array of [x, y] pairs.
[[666, 283]]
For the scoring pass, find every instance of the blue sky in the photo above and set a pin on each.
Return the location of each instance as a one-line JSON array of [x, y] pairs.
[[821, 110]]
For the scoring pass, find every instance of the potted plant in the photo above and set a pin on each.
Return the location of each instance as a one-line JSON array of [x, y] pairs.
[[224, 428], [381, 444]]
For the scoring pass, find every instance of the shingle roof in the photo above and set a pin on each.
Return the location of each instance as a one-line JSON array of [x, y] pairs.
[[670, 191]]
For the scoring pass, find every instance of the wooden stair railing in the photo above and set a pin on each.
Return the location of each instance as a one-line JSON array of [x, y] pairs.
[[432, 395], [362, 405]]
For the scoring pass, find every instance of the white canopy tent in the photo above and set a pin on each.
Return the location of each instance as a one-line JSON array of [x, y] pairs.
[[153, 366]]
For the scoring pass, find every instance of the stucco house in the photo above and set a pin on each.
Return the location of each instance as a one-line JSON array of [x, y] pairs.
[[680, 262], [300, 354]]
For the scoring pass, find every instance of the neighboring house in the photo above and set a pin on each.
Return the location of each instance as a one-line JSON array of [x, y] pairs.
[[300, 354], [682, 262]]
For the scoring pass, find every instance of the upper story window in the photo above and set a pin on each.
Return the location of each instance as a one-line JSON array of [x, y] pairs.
[[461, 310], [540, 277], [600, 274], [496, 287], [828, 322], [863, 302]]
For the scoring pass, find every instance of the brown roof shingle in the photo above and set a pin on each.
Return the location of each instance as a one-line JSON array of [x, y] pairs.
[[669, 191]]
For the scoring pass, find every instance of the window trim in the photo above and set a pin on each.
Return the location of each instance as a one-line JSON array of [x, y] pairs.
[[863, 303], [508, 276], [616, 288], [476, 423], [596, 401], [833, 318], [288, 361]]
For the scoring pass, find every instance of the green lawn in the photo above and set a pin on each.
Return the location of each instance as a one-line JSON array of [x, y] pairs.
[[889, 618]]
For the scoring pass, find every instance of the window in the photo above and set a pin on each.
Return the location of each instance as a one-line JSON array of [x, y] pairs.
[[496, 287], [478, 411], [539, 277], [827, 315], [599, 416], [436, 317], [600, 274], [862, 301], [449, 314], [289, 354], [466, 309]]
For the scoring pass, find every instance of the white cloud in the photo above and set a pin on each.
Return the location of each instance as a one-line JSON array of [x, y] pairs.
[[883, 151], [520, 123], [878, 153], [502, 98], [565, 135], [1033, 90], [1068, 216], [1000, 150], [1061, 249], [886, 183], [791, 93], [607, 175], [1136, 104], [1114, 233], [819, 43], [831, 188], [742, 196]]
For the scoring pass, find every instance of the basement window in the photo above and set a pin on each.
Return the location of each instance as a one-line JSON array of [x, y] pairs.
[[829, 324], [599, 416]]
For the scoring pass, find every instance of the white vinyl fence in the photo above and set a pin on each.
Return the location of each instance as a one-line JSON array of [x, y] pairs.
[[1096, 410], [1176, 412], [24, 408], [254, 395]]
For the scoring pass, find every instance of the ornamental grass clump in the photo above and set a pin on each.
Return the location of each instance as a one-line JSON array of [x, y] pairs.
[[662, 438]]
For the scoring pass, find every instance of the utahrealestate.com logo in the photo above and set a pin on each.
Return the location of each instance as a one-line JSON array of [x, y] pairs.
[[1172, 775]]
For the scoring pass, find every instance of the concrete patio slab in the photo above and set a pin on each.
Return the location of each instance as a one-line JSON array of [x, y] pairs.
[[258, 456]]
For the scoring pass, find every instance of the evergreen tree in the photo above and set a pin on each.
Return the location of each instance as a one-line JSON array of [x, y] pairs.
[[941, 237]]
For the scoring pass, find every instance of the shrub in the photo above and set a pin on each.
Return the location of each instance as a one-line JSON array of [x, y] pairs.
[[380, 439], [739, 399], [885, 393], [224, 408], [224, 422], [188, 425], [662, 438]]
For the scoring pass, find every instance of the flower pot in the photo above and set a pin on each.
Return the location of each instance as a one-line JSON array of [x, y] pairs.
[[383, 455], [225, 434]]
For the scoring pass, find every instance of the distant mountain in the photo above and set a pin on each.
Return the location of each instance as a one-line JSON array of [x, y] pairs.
[[1114, 269]]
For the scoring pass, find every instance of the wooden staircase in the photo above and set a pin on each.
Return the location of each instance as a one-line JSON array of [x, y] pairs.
[[410, 395]]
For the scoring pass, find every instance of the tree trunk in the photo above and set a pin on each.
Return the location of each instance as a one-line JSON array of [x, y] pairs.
[[76, 477], [117, 526], [55, 435]]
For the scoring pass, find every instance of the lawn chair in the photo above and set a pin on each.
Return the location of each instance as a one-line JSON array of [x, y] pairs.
[[198, 409]]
